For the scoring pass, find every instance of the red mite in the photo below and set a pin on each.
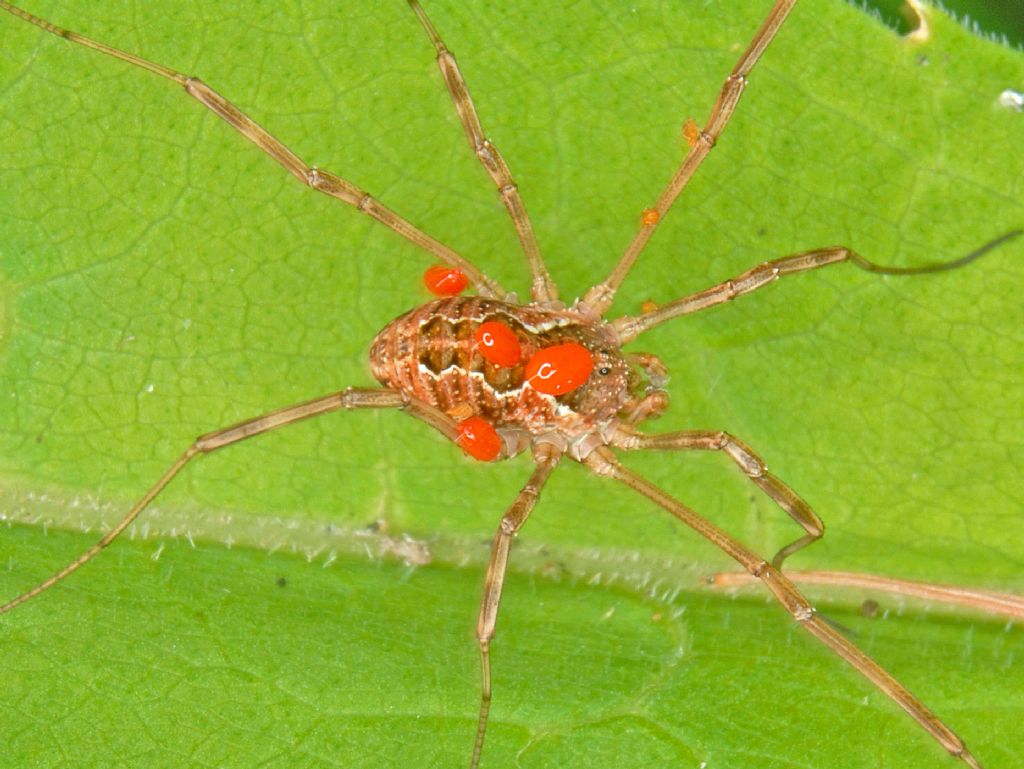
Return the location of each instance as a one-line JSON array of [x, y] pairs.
[[479, 439], [445, 281], [498, 344], [560, 369], [650, 217]]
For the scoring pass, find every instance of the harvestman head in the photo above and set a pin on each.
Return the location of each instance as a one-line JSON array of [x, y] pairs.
[[501, 378]]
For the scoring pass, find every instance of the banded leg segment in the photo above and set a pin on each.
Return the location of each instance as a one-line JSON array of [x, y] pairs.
[[546, 456], [600, 297], [352, 398], [542, 288], [603, 462], [991, 601], [750, 463], [319, 180], [630, 327]]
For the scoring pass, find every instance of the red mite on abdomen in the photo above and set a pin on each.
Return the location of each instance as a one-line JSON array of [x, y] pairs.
[[432, 354]]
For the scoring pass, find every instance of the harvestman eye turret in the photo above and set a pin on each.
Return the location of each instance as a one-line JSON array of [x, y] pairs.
[[501, 378]]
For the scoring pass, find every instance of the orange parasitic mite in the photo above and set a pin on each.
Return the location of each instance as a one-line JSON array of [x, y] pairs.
[[559, 369], [650, 217], [479, 439], [498, 344], [691, 132], [441, 280]]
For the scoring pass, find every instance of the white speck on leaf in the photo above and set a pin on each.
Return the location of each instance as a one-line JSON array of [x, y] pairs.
[[1011, 100]]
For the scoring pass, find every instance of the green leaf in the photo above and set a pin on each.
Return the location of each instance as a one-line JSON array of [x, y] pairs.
[[160, 278]]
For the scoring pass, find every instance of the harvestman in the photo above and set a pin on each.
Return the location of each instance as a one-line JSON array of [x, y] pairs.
[[583, 422]]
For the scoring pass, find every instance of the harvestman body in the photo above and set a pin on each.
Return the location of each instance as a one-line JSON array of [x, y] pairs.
[[431, 365]]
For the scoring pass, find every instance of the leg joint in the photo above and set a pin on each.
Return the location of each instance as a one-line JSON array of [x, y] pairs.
[[803, 613], [741, 454]]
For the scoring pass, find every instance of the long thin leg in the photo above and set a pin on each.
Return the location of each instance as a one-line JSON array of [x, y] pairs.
[[351, 398], [546, 456], [749, 462], [991, 601], [319, 180], [542, 287], [629, 327], [603, 462], [600, 296]]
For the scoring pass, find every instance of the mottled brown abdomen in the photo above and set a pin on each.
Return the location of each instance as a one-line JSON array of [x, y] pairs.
[[431, 353]]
